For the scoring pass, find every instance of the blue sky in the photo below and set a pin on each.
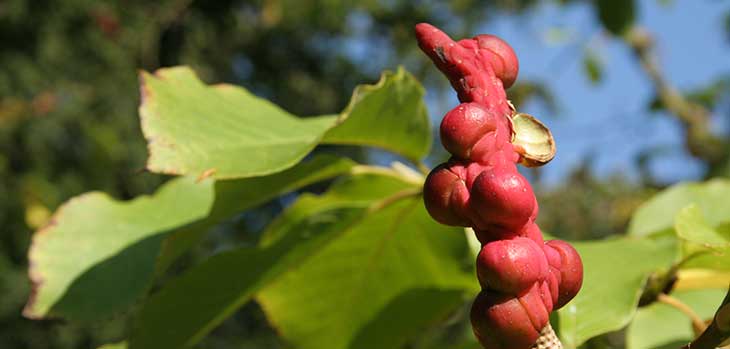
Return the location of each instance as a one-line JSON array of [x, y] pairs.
[[610, 120]]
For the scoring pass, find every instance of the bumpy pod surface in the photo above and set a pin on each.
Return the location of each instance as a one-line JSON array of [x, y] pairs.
[[523, 278], [463, 126], [511, 265]]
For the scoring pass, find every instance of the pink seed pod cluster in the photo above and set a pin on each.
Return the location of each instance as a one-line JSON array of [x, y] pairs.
[[523, 278]]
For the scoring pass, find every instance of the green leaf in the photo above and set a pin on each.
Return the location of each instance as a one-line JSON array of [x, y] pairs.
[[361, 189], [615, 272], [617, 16], [406, 316], [658, 213], [120, 345], [701, 257], [234, 196], [221, 130], [368, 288], [97, 255], [662, 326], [593, 67], [390, 114], [161, 249], [189, 307], [702, 246], [710, 211], [226, 132], [691, 226], [710, 94]]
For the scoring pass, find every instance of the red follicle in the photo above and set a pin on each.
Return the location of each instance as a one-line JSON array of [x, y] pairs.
[[523, 279]]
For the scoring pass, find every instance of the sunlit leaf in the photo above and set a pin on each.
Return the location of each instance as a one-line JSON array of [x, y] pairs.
[[658, 213], [662, 326], [225, 132], [390, 114], [702, 245], [691, 226], [615, 272], [222, 131], [98, 255], [235, 196], [121, 345], [386, 278], [185, 310]]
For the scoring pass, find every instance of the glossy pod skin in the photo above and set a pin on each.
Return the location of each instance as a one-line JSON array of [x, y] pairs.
[[570, 270], [522, 277], [511, 265]]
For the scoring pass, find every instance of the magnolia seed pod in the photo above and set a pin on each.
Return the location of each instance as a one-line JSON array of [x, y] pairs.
[[504, 321], [512, 265], [532, 140], [503, 58], [445, 195], [501, 199], [571, 270]]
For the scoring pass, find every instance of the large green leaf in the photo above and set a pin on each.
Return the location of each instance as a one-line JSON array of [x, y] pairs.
[[658, 213], [221, 130], [226, 132], [374, 286], [691, 226], [615, 272], [662, 215], [712, 260], [662, 326], [120, 345], [390, 114], [188, 308], [234, 196], [161, 249], [702, 245], [98, 255]]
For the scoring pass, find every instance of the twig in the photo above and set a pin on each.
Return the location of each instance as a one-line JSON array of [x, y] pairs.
[[718, 331], [698, 325], [698, 138]]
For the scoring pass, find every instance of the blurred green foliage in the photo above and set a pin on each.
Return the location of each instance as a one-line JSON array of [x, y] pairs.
[[69, 95], [69, 98]]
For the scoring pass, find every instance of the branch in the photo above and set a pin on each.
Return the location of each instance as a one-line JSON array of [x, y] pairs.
[[702, 143], [718, 331]]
